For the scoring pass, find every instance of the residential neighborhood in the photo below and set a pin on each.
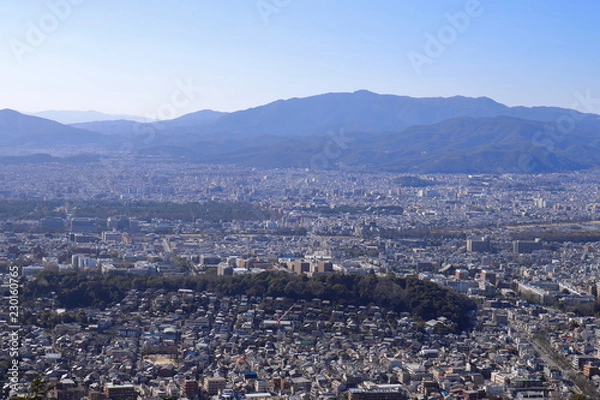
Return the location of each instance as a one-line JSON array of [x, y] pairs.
[[523, 248]]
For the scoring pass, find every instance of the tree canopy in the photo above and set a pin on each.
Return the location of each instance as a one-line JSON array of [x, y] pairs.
[[422, 299]]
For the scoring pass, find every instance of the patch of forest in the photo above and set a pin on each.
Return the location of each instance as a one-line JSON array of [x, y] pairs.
[[143, 210], [422, 299]]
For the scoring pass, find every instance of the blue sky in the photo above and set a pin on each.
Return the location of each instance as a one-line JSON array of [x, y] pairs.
[[133, 56]]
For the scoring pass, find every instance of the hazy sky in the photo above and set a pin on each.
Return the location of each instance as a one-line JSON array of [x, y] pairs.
[[134, 56]]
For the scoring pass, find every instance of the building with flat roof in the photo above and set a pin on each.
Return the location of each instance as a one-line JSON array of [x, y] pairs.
[[478, 245], [376, 394], [214, 385], [526, 246], [115, 391]]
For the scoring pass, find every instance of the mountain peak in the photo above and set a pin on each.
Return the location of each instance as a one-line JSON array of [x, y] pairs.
[[9, 111], [364, 91]]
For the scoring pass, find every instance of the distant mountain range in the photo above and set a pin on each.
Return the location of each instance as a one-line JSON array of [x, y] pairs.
[[73, 117], [360, 130], [20, 130], [126, 127]]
